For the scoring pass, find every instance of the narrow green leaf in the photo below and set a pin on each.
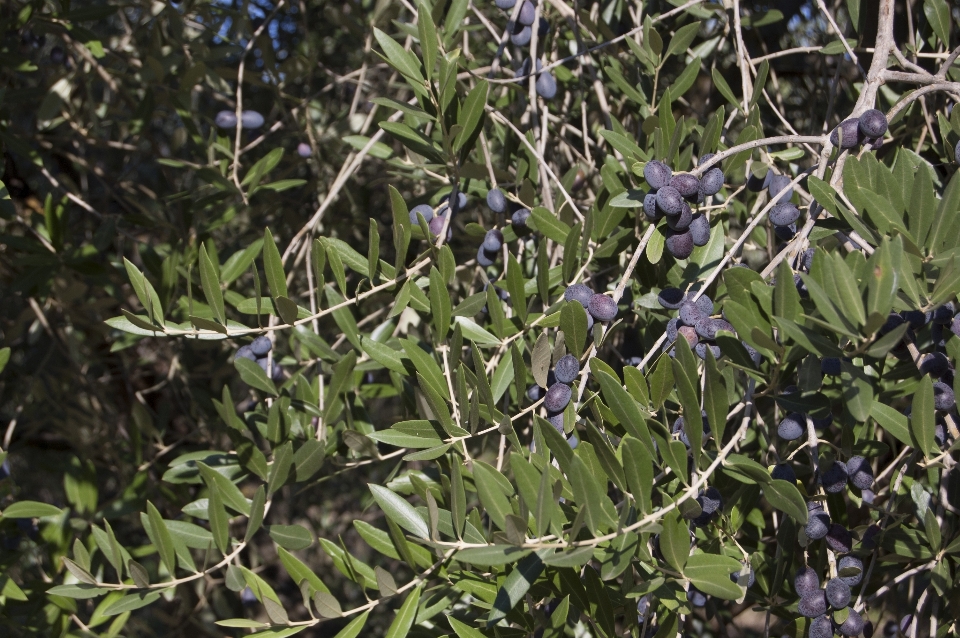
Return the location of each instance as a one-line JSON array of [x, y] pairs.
[[403, 621], [458, 496], [291, 537], [355, 627], [682, 38], [280, 470], [81, 574], [937, 13], [828, 308], [715, 401], [491, 495], [540, 360], [145, 292], [414, 140], [546, 504], [471, 114], [31, 509], [893, 422], [675, 540], [590, 492], [462, 630], [399, 58], [724, 88], [254, 376], [786, 298], [242, 623], [308, 459], [624, 407], [686, 377], [273, 266], [857, 391], [549, 224], [849, 292], [211, 286], [661, 382], [340, 382], [256, 513], [440, 305], [287, 308], [923, 418], [238, 262], [219, 520], [108, 545], [759, 83], [638, 467], [516, 585], [228, 490], [162, 536], [786, 497], [710, 574], [516, 287], [573, 323], [300, 572], [373, 254], [131, 602], [343, 316], [139, 574], [400, 511], [81, 591]]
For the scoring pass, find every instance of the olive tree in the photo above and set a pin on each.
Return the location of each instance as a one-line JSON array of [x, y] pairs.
[[616, 319]]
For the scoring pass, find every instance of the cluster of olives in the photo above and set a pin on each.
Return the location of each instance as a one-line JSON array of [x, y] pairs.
[[436, 220], [853, 132], [670, 196], [498, 203], [834, 476], [248, 120], [521, 32], [546, 83], [929, 328], [599, 307], [695, 324], [815, 603], [558, 395], [258, 351]]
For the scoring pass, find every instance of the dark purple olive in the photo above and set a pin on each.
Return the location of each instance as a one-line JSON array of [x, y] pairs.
[[558, 396], [251, 120], [873, 123], [685, 183], [225, 119], [496, 200], [528, 13], [847, 135], [579, 292], [658, 174], [602, 307], [679, 243]]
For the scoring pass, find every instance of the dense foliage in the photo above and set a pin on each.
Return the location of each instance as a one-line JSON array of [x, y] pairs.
[[482, 319]]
